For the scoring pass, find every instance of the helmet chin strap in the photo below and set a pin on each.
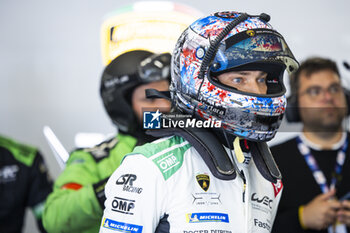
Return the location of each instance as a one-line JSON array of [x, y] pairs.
[[238, 150], [261, 155], [240, 173]]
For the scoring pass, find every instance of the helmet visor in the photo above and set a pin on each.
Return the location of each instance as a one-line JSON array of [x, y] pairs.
[[252, 46], [155, 68]]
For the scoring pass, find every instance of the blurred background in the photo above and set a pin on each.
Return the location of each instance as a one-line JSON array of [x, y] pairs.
[[50, 61]]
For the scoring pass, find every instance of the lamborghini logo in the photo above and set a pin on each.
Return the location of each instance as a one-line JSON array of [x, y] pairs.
[[250, 33], [203, 181]]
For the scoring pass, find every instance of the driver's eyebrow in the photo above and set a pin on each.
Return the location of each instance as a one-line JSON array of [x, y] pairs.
[[243, 72], [261, 73]]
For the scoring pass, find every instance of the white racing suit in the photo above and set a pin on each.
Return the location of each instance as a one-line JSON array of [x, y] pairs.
[[166, 186]]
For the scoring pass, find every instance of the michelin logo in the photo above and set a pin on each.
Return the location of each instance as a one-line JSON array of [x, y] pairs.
[[121, 226], [207, 217], [151, 120]]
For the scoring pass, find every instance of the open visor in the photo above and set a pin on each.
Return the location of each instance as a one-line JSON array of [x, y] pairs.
[[259, 45], [155, 68]]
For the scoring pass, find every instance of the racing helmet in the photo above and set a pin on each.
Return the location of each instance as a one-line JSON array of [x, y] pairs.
[[131, 38], [232, 41]]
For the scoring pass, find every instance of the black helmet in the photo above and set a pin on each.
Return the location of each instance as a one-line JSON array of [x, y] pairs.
[[128, 36], [122, 76]]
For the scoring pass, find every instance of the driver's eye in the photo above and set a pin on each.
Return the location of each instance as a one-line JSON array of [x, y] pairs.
[[261, 80], [237, 80]]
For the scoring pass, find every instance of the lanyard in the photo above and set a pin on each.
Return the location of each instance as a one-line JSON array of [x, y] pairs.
[[317, 173]]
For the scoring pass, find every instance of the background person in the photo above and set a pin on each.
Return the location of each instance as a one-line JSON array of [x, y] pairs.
[[315, 165], [24, 182]]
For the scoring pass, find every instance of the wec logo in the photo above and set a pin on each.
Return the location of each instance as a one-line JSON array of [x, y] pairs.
[[265, 200]]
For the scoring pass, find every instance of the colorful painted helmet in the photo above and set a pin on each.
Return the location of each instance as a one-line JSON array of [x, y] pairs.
[[131, 37], [232, 41]]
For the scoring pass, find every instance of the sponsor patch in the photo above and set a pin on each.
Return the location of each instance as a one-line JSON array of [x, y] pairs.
[[168, 163], [101, 151], [8, 173], [208, 199], [127, 180], [207, 217], [122, 205], [265, 200], [261, 224], [277, 187], [261, 203], [203, 181], [250, 33], [121, 226]]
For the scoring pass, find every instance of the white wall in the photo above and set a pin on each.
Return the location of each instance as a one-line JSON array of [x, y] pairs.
[[50, 62]]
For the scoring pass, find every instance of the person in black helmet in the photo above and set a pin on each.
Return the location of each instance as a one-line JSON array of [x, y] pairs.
[[124, 98], [76, 203]]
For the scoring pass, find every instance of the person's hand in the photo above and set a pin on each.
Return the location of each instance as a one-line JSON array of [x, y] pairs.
[[344, 213], [321, 212]]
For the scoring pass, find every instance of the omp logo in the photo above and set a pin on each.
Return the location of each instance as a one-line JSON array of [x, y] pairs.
[[168, 162], [121, 226], [127, 180], [207, 217], [265, 200], [122, 205]]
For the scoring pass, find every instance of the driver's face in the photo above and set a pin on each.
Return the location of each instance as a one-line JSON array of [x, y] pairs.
[[248, 81], [141, 103]]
